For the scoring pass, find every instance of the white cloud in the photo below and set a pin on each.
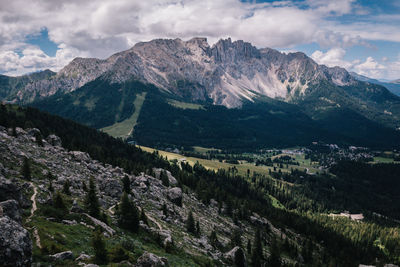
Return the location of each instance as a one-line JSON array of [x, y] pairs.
[[370, 67], [32, 59], [332, 58]]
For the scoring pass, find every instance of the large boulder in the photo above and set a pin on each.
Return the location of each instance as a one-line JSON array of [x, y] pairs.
[[54, 140], [175, 195], [15, 244], [110, 187], [9, 190], [65, 255], [150, 260], [11, 209], [80, 156], [172, 180]]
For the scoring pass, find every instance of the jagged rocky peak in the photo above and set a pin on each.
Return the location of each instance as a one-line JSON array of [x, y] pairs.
[[227, 72], [228, 51]]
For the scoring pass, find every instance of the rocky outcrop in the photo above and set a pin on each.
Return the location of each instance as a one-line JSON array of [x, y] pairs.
[[9, 190], [15, 244], [175, 195], [151, 260], [54, 140], [11, 209]]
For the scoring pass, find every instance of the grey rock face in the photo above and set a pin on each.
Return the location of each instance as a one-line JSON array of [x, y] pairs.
[[150, 260], [15, 244], [11, 209], [175, 195]]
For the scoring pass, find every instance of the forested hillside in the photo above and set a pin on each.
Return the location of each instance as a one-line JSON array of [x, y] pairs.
[[307, 234]]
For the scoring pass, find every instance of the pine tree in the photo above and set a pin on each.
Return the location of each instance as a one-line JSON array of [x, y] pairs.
[[50, 176], [26, 169], [165, 210], [248, 247], [91, 201], [143, 217], [198, 230], [51, 188], [126, 183], [66, 187], [14, 131], [190, 225], [39, 139], [214, 239], [239, 258], [128, 214], [257, 253], [84, 187], [58, 202], [274, 258], [236, 238], [164, 178], [99, 246]]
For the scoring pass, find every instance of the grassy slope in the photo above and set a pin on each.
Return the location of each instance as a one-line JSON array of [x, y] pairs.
[[185, 105], [124, 129]]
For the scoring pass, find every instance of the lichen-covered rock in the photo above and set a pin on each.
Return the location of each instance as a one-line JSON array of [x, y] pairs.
[[15, 244], [11, 209], [150, 260], [175, 195]]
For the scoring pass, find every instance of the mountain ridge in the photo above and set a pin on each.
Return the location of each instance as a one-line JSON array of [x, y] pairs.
[[226, 72]]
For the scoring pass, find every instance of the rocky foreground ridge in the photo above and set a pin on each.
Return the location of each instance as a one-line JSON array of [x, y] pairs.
[[28, 236]]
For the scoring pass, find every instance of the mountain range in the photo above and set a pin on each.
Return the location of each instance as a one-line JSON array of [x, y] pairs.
[[176, 92], [392, 86]]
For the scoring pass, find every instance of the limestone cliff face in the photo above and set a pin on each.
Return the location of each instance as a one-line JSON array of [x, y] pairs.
[[227, 72]]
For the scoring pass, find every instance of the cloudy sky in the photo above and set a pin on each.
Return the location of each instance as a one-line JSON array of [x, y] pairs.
[[360, 35]]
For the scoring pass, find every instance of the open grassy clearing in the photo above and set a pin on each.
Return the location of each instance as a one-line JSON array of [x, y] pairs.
[[242, 168], [184, 105], [384, 160], [124, 129]]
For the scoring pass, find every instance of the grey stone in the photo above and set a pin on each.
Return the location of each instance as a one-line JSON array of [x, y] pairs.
[[82, 257], [151, 260], [175, 195], [15, 244], [66, 255], [54, 140], [32, 131], [11, 209]]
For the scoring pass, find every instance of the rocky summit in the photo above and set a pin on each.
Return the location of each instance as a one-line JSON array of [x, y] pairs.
[[227, 72]]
